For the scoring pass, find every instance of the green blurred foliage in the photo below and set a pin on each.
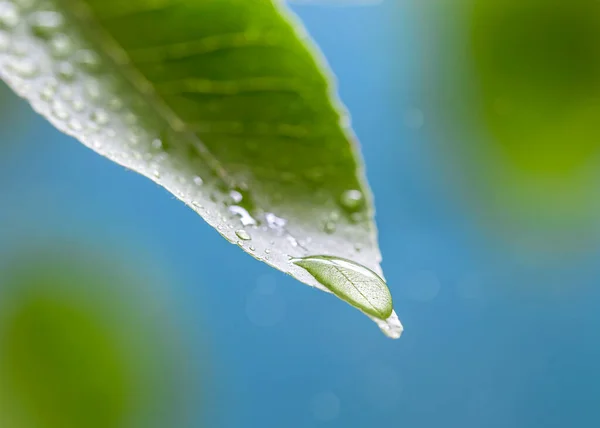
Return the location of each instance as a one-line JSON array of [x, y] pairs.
[[513, 104], [81, 346], [538, 68]]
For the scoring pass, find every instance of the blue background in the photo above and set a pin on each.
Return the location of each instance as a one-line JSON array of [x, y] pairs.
[[494, 337]]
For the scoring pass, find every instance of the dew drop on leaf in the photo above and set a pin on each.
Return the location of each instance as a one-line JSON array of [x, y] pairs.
[[352, 199], [330, 227], [45, 24], [100, 117], [9, 16], [356, 285], [60, 46], [65, 71], [243, 235]]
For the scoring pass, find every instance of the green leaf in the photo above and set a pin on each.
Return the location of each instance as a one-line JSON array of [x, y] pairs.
[[225, 103]]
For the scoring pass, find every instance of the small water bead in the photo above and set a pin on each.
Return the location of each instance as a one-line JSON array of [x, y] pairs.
[[9, 15], [115, 104], [100, 117], [65, 71], [75, 125], [60, 46], [244, 216], [59, 110], [46, 23], [357, 217], [78, 105], [352, 200], [198, 181], [275, 222], [87, 59], [47, 93], [25, 68], [251, 248], [92, 89], [157, 144], [330, 227], [235, 196], [243, 235]]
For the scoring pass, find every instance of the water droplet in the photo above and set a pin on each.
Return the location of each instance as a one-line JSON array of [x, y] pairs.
[[25, 67], [47, 93], [75, 125], [198, 181], [351, 282], [92, 89], [115, 104], [330, 227], [352, 200], [157, 144], [78, 105], [357, 217], [275, 222], [267, 251], [46, 23], [236, 197], [245, 218], [59, 110], [65, 71], [88, 60], [251, 248], [100, 117], [9, 16], [60, 46], [243, 235]]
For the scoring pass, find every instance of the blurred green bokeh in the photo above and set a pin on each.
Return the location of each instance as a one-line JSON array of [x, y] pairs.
[[537, 63], [83, 345], [514, 100]]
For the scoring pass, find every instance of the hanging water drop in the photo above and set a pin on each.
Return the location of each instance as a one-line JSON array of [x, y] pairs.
[[243, 235], [356, 285]]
